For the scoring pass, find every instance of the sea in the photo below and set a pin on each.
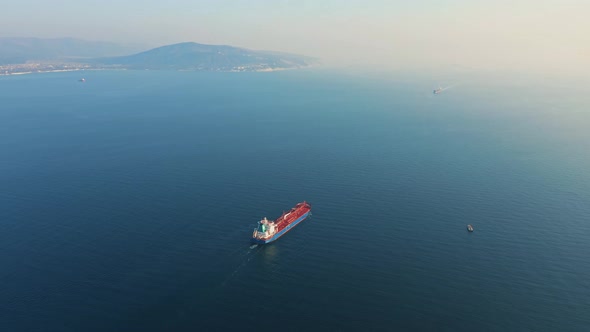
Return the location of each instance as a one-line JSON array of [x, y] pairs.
[[127, 202]]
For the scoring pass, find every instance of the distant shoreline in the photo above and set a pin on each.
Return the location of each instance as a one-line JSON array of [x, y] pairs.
[[44, 71], [263, 70], [59, 71]]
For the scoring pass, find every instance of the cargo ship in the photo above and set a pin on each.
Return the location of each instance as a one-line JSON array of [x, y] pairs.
[[268, 231]]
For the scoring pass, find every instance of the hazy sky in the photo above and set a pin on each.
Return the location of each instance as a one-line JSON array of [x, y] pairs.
[[536, 34]]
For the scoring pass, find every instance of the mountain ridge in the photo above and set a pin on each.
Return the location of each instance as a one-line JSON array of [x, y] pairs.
[[37, 54], [15, 50], [196, 56]]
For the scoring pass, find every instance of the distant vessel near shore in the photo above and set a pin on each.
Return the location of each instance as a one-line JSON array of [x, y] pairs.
[[269, 231], [82, 80], [469, 228]]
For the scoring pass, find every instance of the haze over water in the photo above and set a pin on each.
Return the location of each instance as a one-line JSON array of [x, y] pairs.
[[128, 201]]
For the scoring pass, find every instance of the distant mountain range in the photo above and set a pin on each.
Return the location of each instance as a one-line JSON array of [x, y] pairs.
[[182, 56], [194, 56], [22, 50]]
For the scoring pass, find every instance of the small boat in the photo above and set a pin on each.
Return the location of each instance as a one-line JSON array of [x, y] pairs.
[[82, 80], [470, 228]]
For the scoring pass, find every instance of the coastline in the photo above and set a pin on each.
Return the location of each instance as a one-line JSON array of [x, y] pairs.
[[262, 70]]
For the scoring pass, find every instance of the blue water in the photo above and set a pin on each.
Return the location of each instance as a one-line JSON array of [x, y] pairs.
[[127, 202]]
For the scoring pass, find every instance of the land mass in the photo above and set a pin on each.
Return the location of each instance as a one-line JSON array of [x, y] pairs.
[[23, 50], [35, 55]]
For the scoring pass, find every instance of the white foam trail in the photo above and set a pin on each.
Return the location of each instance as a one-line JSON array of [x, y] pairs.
[[246, 257], [449, 87]]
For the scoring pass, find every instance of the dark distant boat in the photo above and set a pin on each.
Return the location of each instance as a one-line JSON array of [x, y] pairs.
[[437, 91], [470, 228], [82, 80], [269, 231]]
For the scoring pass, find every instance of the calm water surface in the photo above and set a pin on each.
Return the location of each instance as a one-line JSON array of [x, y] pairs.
[[127, 203]]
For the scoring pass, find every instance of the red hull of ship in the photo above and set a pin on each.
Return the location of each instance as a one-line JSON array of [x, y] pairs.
[[288, 217]]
